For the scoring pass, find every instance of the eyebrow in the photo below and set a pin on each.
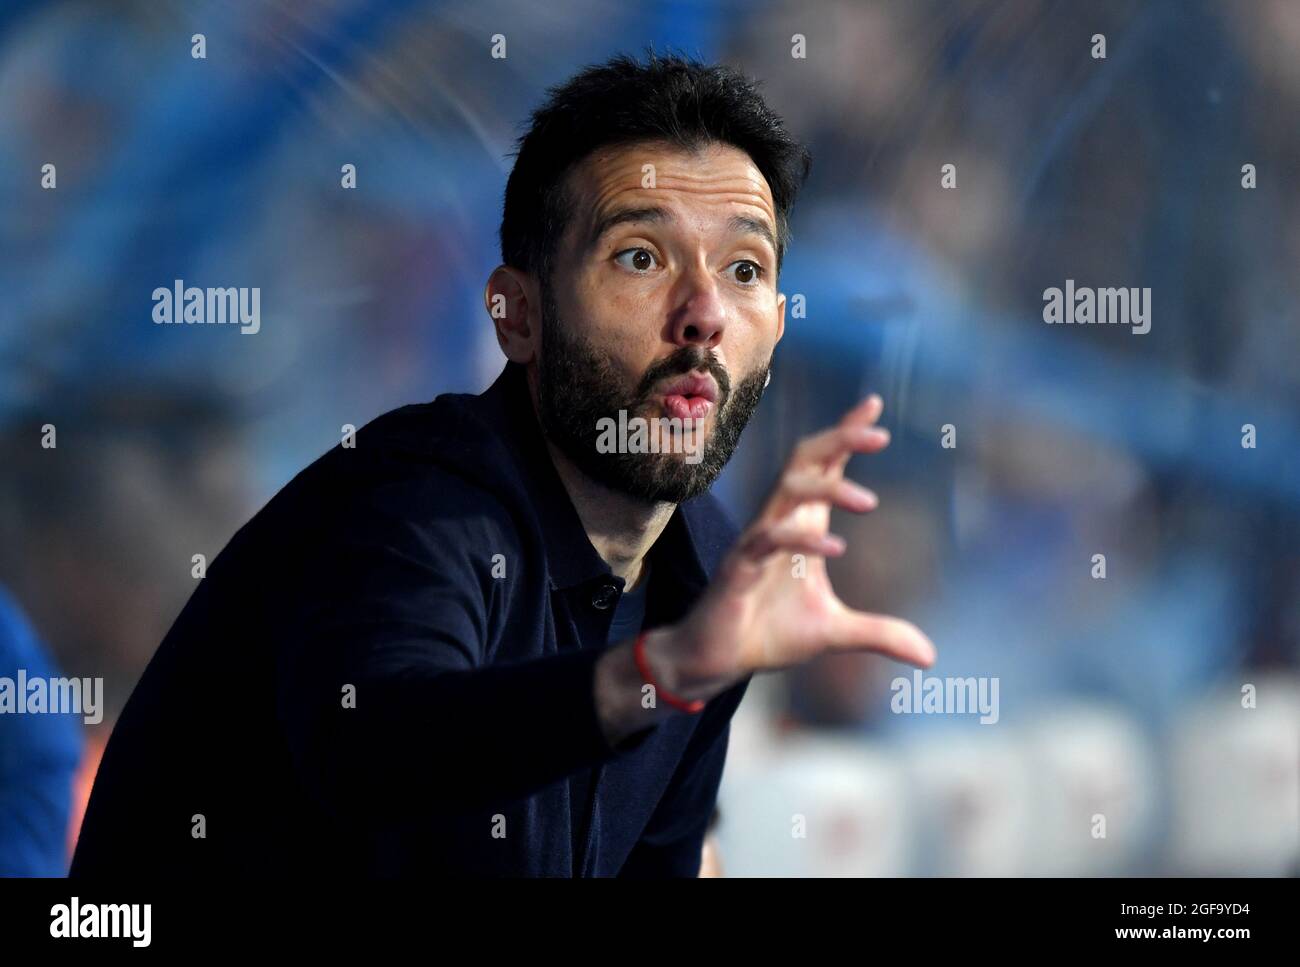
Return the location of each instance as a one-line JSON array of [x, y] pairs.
[[747, 225], [740, 224], [616, 218]]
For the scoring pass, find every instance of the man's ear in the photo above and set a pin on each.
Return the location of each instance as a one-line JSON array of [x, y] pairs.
[[780, 316], [513, 301]]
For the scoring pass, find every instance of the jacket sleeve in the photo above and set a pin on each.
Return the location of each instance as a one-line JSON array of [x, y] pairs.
[[388, 702], [672, 842]]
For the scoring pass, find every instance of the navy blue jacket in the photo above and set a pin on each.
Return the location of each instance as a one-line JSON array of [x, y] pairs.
[[436, 578]]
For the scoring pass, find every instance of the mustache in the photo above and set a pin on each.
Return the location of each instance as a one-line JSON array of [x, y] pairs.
[[686, 360]]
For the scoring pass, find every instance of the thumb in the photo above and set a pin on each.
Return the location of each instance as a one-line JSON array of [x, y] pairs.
[[852, 630]]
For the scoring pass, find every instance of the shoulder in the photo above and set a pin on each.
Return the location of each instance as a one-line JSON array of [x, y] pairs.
[[427, 481]]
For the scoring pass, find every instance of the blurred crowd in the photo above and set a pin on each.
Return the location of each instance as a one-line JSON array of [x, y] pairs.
[[1121, 697]]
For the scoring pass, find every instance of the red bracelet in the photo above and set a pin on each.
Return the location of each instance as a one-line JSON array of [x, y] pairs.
[[642, 666]]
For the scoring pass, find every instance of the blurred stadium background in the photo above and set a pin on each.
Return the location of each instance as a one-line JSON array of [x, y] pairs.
[[1119, 697]]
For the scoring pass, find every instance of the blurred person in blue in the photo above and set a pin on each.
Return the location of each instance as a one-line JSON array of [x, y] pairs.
[[39, 756]]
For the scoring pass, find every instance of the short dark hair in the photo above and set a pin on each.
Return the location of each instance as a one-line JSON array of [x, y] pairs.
[[669, 98]]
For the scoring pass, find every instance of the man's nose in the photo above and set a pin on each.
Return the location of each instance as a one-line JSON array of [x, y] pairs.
[[700, 316]]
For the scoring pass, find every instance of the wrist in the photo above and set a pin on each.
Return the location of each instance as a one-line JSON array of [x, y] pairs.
[[655, 681], [627, 703], [668, 660], [621, 700]]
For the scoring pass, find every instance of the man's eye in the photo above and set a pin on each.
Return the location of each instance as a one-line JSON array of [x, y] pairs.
[[746, 272], [638, 259]]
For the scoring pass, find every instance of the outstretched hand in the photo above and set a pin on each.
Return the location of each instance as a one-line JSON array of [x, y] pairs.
[[771, 604]]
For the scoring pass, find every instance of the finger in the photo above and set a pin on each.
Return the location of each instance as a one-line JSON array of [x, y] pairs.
[[838, 442], [865, 413], [885, 635], [761, 542], [798, 488]]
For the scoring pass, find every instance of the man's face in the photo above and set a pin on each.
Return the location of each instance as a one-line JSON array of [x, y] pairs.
[[662, 303]]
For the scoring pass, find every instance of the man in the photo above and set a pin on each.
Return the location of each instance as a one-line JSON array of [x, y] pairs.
[[478, 642]]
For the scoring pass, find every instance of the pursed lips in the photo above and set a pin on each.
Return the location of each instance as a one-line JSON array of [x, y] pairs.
[[690, 397]]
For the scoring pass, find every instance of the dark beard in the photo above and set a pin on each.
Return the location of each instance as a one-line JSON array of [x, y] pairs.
[[579, 386]]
